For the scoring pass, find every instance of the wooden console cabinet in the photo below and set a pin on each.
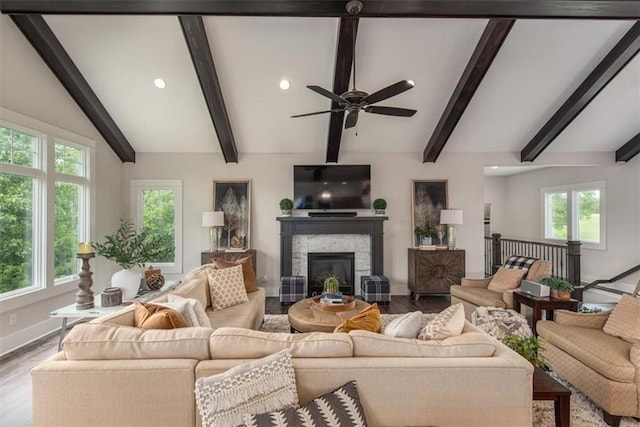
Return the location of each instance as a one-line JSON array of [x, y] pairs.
[[434, 272], [208, 257]]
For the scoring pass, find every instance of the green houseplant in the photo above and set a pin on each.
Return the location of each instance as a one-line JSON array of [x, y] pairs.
[[529, 348], [379, 205], [285, 206], [560, 289], [426, 233], [331, 285]]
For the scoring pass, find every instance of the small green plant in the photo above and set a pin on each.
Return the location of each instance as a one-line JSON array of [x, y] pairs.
[[331, 285], [585, 309], [558, 284], [426, 231], [128, 247], [379, 204], [529, 348], [286, 204]]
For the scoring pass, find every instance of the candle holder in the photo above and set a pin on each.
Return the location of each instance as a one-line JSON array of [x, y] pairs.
[[84, 297]]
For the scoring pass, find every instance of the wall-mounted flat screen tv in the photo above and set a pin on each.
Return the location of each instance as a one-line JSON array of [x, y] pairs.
[[332, 187]]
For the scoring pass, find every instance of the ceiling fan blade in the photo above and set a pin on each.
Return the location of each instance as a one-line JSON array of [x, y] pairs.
[[318, 112], [352, 119], [329, 94], [388, 92], [390, 111]]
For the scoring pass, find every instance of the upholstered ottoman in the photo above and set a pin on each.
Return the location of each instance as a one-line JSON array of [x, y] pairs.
[[500, 322], [292, 289], [375, 289]]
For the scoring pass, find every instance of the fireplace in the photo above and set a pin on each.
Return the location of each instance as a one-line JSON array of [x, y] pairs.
[[324, 264]]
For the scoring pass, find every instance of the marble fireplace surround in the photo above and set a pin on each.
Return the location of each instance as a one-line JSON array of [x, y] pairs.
[[362, 235]]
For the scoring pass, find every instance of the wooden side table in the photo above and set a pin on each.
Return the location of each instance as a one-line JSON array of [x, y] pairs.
[[542, 303], [547, 388]]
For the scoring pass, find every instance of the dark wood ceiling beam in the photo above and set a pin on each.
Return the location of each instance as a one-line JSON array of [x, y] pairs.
[[38, 33], [494, 35], [602, 74], [539, 9], [341, 76], [629, 150], [196, 38]]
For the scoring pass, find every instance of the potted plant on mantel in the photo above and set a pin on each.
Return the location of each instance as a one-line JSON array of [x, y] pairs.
[[285, 206], [129, 248], [560, 289], [379, 205]]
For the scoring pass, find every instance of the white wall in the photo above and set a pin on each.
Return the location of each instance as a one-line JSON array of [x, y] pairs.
[[272, 179], [524, 210], [495, 188], [28, 87]]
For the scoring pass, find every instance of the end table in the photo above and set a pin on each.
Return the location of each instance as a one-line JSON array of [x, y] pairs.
[[542, 303]]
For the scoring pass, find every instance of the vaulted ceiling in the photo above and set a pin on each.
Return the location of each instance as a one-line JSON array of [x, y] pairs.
[[490, 76]]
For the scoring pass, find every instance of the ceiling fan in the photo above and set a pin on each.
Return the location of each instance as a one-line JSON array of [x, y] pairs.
[[354, 101]]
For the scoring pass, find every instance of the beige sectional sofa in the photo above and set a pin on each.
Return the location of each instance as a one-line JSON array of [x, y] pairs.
[[112, 374]]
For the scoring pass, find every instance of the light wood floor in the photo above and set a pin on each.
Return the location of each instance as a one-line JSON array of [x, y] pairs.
[[15, 381]]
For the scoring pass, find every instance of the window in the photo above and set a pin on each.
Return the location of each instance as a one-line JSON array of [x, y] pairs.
[[156, 205], [575, 212], [44, 185]]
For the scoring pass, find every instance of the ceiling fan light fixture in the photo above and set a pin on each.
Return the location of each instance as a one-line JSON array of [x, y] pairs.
[[159, 83], [284, 84]]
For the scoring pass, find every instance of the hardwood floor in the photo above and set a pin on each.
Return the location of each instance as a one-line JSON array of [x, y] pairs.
[[15, 380]]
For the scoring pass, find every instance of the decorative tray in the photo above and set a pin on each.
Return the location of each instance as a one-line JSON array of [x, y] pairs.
[[348, 303]]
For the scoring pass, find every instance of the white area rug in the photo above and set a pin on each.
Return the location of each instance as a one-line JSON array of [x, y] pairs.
[[584, 413]]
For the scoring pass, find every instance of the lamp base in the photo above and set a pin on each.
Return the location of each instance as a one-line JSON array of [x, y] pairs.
[[213, 240], [452, 238]]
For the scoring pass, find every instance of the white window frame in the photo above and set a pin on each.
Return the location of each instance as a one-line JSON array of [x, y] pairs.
[[44, 286], [137, 186], [573, 219]]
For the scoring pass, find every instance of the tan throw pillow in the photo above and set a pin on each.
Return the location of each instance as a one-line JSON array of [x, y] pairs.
[[624, 320], [447, 323], [152, 316], [248, 275], [505, 279], [368, 319], [226, 287]]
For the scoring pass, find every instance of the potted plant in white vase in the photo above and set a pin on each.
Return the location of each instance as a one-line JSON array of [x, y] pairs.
[[285, 206], [130, 248], [379, 205]]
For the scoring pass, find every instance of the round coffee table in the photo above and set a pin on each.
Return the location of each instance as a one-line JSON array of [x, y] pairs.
[[304, 316]]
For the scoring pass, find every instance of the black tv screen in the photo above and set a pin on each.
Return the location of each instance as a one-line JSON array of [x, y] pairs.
[[332, 187]]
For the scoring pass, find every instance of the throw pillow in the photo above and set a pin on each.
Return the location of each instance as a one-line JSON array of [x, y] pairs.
[[405, 326], [368, 319], [341, 407], [505, 279], [624, 320], [260, 386], [248, 275], [197, 310], [447, 323], [226, 287], [152, 316]]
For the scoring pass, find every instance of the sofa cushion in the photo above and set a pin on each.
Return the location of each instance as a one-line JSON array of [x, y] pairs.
[[189, 308], [240, 343], [248, 274], [368, 319], [448, 323], [153, 316], [603, 353], [478, 296], [255, 387], [201, 274], [471, 344], [624, 320], [405, 326], [226, 287], [505, 279], [124, 317], [102, 341], [246, 315], [341, 407], [196, 288]]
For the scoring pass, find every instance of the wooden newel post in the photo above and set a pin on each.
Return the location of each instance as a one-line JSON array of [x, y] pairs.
[[496, 252], [573, 267]]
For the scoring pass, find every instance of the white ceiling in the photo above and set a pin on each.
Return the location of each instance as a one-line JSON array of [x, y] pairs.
[[540, 64]]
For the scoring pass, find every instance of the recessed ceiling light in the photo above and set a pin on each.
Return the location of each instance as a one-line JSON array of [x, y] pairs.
[[284, 84], [494, 167], [160, 84], [411, 82]]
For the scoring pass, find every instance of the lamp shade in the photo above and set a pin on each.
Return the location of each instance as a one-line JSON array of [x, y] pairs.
[[212, 219], [451, 216]]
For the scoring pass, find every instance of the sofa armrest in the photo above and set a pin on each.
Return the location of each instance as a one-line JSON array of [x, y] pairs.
[[583, 320], [507, 296], [475, 283]]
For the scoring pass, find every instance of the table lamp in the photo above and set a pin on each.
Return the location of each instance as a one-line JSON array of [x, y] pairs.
[[213, 220], [451, 217]]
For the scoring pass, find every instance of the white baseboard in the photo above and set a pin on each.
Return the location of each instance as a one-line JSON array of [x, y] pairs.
[[33, 333]]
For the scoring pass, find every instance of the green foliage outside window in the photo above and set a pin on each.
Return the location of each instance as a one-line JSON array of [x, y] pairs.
[[158, 220]]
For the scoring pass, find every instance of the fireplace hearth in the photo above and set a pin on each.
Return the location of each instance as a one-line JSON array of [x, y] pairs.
[[325, 264]]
